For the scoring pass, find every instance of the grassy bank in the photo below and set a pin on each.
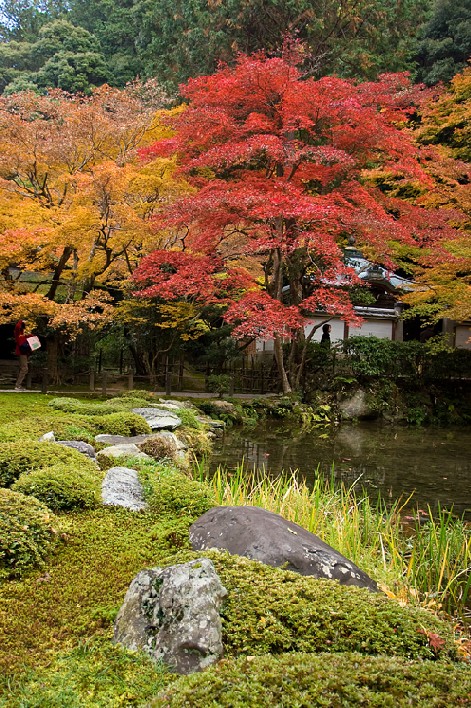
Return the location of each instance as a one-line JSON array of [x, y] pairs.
[[426, 560], [57, 613]]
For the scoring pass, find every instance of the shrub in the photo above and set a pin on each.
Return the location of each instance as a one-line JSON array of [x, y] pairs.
[[322, 680], [62, 487], [159, 447], [273, 611], [69, 405], [19, 457], [189, 418], [68, 427], [114, 405], [138, 394], [197, 441], [175, 494], [26, 533], [123, 423]]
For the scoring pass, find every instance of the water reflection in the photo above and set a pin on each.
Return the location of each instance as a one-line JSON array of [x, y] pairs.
[[435, 464]]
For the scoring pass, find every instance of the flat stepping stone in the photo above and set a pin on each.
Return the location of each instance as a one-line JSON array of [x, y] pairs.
[[121, 487], [122, 451], [82, 447], [158, 418], [122, 439]]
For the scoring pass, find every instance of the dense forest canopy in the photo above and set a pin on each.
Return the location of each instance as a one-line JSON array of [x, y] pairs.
[[78, 44], [82, 212]]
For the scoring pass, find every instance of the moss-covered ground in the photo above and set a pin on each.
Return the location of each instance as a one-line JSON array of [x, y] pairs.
[[56, 620]]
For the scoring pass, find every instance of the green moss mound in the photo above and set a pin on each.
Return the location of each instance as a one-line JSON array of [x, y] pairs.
[[323, 680], [22, 457], [123, 423], [114, 405], [65, 427], [273, 611], [174, 494], [26, 533], [96, 674], [62, 487]]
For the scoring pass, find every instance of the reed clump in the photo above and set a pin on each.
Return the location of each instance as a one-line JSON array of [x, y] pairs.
[[427, 562]]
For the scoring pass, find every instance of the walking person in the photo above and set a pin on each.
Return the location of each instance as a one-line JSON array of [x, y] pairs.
[[22, 350], [325, 339]]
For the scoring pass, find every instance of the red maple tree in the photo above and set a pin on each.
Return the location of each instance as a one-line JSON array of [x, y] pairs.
[[277, 162]]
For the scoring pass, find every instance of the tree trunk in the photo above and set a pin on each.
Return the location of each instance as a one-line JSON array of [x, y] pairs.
[[53, 359], [286, 388]]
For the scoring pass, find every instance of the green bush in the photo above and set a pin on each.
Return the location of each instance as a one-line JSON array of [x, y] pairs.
[[159, 448], [322, 680], [123, 423], [175, 494], [140, 395], [114, 405], [65, 427], [21, 457], [273, 611], [189, 418], [26, 533], [197, 441], [62, 487]]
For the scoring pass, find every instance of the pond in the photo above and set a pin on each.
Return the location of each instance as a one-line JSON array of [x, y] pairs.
[[433, 463]]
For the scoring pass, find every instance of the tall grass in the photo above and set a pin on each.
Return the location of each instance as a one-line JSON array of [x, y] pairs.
[[428, 562]]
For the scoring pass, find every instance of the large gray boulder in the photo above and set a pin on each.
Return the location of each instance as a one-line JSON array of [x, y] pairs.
[[121, 487], [173, 614], [158, 418], [264, 536]]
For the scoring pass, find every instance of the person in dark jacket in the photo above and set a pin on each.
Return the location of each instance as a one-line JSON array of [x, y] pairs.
[[21, 350], [325, 339]]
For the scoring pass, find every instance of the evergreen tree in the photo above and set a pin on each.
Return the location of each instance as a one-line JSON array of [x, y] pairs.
[[445, 44], [63, 56]]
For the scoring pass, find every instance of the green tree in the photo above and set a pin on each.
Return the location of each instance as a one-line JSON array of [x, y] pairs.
[[63, 56], [445, 43], [117, 26], [361, 38], [21, 20]]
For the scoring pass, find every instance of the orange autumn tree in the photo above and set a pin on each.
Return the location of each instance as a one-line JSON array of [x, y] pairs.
[[75, 203], [443, 273], [277, 161]]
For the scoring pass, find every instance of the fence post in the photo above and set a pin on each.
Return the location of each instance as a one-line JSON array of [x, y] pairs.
[[130, 380], [29, 377], [262, 379], [92, 379], [168, 378], [103, 383], [44, 381]]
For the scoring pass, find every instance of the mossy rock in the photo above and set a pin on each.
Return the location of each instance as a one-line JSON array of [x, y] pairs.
[[274, 611], [22, 457], [174, 494], [27, 533], [62, 487], [340, 680]]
